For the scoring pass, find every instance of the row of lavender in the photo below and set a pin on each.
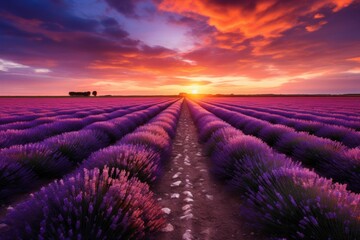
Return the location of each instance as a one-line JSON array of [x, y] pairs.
[[329, 158], [24, 167], [39, 130], [349, 120], [22, 110], [281, 199], [108, 196], [24, 115], [321, 126], [24, 121], [20, 116], [336, 107]]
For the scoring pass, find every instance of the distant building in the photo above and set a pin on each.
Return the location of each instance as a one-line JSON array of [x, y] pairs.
[[183, 94]]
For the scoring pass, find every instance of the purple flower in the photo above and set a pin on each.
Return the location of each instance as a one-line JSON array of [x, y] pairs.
[[280, 198], [271, 134], [153, 141], [153, 129], [109, 128], [78, 145], [137, 160], [315, 198], [207, 130], [168, 127], [14, 179], [220, 138], [122, 208], [236, 149], [40, 158]]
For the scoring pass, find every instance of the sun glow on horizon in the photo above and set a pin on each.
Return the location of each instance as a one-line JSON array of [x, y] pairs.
[[194, 91]]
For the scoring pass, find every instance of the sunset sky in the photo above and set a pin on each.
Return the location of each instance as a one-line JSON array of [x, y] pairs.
[[51, 47]]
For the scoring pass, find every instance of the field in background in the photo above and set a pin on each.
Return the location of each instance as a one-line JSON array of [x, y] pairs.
[[291, 164]]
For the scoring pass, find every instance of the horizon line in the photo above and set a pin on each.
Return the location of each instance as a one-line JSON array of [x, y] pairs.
[[189, 94]]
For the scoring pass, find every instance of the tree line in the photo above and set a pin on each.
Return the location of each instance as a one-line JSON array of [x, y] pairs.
[[82, 94]]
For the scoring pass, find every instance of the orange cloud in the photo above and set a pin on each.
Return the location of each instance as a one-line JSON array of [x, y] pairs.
[[315, 27], [318, 16], [355, 59], [340, 4], [268, 18]]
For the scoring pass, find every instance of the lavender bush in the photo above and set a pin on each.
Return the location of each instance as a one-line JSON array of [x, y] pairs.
[[14, 179], [235, 150], [78, 145], [249, 169], [281, 199], [321, 118], [41, 159], [168, 127], [88, 205], [322, 154], [273, 133], [153, 129], [209, 128], [109, 128], [295, 203], [219, 138], [58, 155], [347, 136], [156, 142], [138, 160], [38, 133]]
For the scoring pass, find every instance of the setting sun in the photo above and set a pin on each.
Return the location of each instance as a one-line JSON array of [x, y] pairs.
[[194, 91]]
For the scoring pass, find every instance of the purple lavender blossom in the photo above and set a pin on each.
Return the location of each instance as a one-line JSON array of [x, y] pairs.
[[14, 179], [207, 130], [168, 127], [220, 138], [273, 133], [296, 203], [281, 199], [42, 159], [78, 145], [109, 128], [153, 129], [236, 149], [91, 205], [138, 160], [156, 142]]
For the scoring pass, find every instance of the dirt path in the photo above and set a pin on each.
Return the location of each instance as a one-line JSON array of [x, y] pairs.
[[198, 206]]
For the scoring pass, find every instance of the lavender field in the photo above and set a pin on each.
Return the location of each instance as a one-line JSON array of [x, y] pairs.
[[180, 168]]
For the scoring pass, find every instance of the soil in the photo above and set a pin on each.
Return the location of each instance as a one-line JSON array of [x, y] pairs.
[[201, 208]]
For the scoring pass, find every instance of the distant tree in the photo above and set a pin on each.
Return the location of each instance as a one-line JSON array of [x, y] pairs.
[[79, 94], [94, 93]]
